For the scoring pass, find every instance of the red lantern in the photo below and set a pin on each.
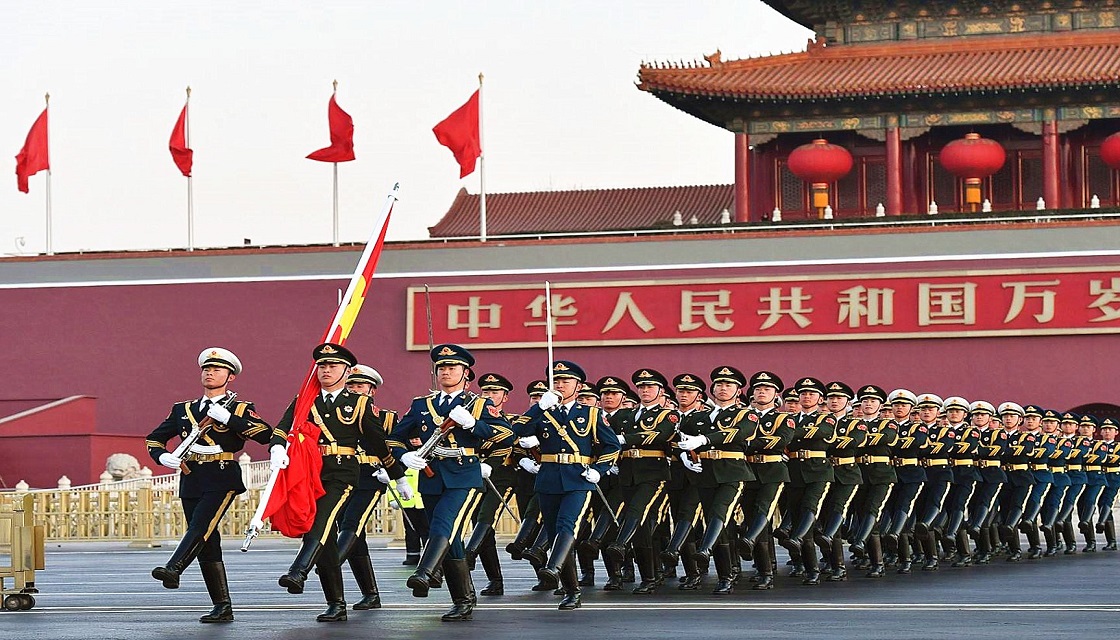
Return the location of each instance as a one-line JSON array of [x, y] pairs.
[[1110, 151], [820, 164], [972, 158]]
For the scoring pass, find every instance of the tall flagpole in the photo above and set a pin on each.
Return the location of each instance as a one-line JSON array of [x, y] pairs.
[[190, 178], [335, 183], [50, 245], [481, 167]]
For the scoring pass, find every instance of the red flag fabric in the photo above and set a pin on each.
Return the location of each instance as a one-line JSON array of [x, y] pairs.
[[342, 136], [180, 154], [460, 133], [33, 157], [291, 505]]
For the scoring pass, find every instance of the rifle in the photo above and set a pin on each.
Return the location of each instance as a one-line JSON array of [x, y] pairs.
[[197, 432], [427, 450]]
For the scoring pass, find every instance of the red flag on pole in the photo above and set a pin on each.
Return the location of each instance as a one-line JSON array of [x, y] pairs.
[[459, 132], [180, 154], [342, 136], [291, 505], [34, 156]]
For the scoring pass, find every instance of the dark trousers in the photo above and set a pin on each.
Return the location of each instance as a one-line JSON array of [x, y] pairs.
[[1033, 504], [357, 513], [640, 503], [203, 515], [415, 536], [447, 513], [563, 512]]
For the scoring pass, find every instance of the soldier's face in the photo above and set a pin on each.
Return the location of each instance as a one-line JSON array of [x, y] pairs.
[[216, 377], [611, 400], [649, 393], [809, 400], [928, 414], [1030, 423], [836, 404], [870, 406], [763, 395], [981, 419], [589, 401], [1011, 421], [687, 397], [497, 396], [450, 376], [363, 388], [791, 405], [725, 391], [1086, 430], [566, 387], [331, 374], [955, 416], [901, 410], [1069, 428], [1049, 426], [1108, 434]]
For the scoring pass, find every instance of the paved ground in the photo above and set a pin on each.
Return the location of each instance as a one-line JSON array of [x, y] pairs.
[[96, 591]]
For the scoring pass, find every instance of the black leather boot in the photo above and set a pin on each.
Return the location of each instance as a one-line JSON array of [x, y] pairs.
[[495, 583], [214, 575], [1070, 539], [182, 557], [805, 521], [749, 538], [461, 588], [904, 562], [537, 553], [765, 564], [963, 556], [672, 552], [1034, 542], [297, 573], [1109, 531], [711, 538], [586, 560], [347, 541], [929, 550], [839, 571], [830, 526], [549, 574], [420, 580], [617, 549], [362, 568], [643, 559], [479, 537], [1090, 537], [570, 584], [1052, 548], [331, 579], [526, 534], [725, 586], [594, 541], [864, 525], [875, 554], [614, 575], [692, 578]]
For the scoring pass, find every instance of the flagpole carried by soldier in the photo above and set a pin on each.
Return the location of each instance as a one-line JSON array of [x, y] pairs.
[[218, 425]]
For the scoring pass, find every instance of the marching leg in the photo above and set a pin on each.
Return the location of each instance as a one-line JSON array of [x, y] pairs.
[[488, 555], [461, 588], [330, 576], [570, 582], [184, 554], [362, 568], [419, 581], [214, 575], [297, 574]]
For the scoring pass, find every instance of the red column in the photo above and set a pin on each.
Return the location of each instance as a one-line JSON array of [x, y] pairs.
[[742, 177], [894, 171], [1051, 172]]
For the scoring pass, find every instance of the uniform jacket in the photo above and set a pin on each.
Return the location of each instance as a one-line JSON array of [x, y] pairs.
[[1095, 457], [1075, 456], [368, 465], [881, 436], [938, 447], [423, 421], [1020, 451], [645, 430], [727, 430], [584, 432], [776, 430], [850, 436], [993, 445], [815, 432], [244, 424], [911, 443], [1041, 456], [350, 423], [964, 441]]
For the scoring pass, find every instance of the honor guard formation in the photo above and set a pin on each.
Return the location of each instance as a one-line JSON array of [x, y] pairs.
[[660, 479]]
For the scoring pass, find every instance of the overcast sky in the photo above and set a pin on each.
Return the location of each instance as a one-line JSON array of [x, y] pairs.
[[560, 107]]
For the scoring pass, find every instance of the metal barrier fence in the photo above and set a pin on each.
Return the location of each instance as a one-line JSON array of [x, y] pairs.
[[146, 511]]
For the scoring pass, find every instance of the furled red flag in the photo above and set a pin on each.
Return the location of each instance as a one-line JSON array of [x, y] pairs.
[[342, 136], [460, 133], [33, 157], [180, 154], [291, 505]]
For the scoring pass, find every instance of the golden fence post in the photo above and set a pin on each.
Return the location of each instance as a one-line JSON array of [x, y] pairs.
[[144, 536]]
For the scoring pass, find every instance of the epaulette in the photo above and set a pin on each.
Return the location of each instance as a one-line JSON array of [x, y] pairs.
[[423, 397]]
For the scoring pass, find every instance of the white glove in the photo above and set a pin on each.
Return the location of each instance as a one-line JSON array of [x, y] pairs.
[[591, 475], [170, 461], [486, 470], [613, 471], [278, 457], [529, 465], [219, 413], [690, 443], [548, 400], [529, 442], [694, 467], [462, 417], [382, 476], [412, 460], [404, 488], [621, 438]]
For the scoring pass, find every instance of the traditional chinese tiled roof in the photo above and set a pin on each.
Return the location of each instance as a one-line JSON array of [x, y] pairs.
[[582, 210], [1083, 59]]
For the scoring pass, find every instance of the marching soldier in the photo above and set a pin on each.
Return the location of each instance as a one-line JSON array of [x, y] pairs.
[[643, 436], [989, 460], [1075, 471], [683, 497], [372, 479], [847, 477], [939, 477], [962, 442], [1040, 474], [498, 465], [912, 437], [454, 487], [346, 421], [1105, 522], [776, 429], [1020, 480], [791, 401], [810, 474], [1094, 482], [712, 449], [210, 476], [1055, 498], [527, 468], [878, 476], [577, 449]]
